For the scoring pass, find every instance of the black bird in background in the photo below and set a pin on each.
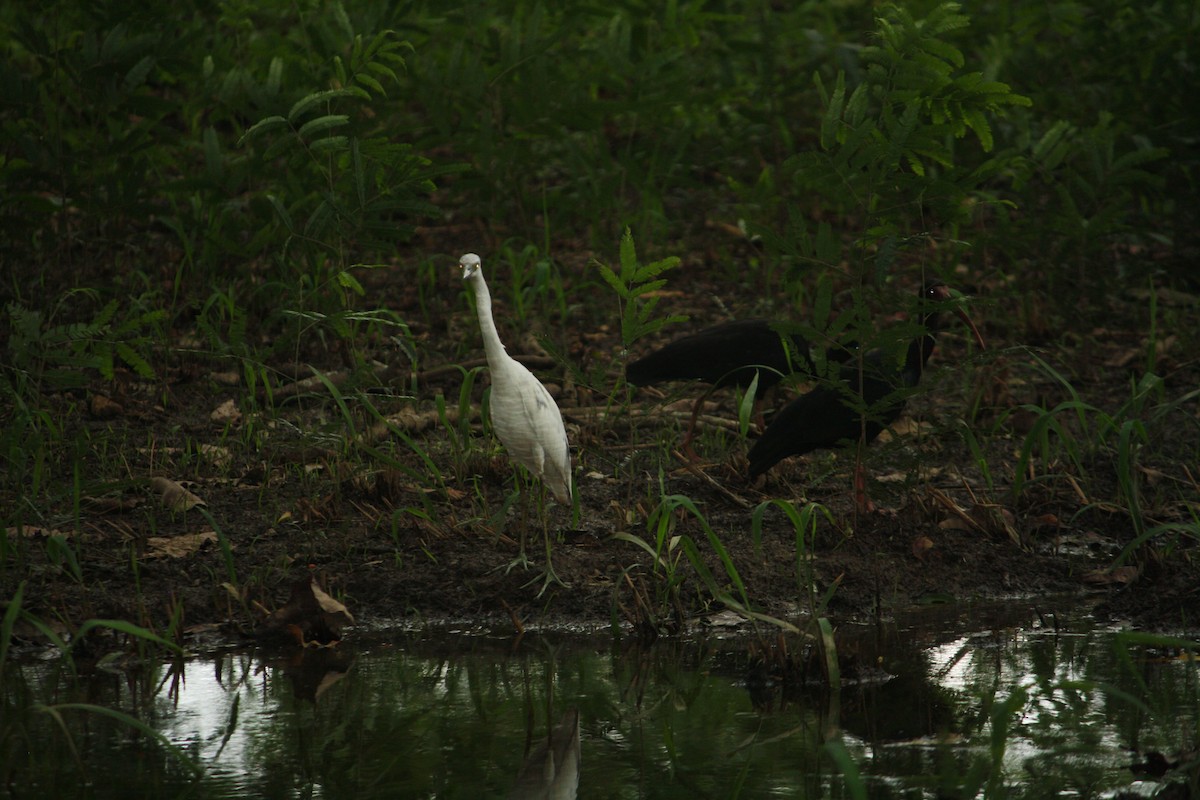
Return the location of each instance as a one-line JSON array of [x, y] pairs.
[[729, 354], [828, 416]]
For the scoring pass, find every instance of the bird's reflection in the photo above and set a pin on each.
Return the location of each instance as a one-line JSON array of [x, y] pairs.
[[312, 671], [551, 770]]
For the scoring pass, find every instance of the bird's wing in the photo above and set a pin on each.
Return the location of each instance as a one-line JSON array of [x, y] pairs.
[[530, 426], [555, 454]]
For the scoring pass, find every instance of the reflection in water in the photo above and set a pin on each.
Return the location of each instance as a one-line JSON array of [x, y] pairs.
[[1023, 710], [551, 770], [312, 671]]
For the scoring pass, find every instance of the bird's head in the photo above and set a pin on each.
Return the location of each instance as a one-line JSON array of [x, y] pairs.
[[471, 265], [937, 292]]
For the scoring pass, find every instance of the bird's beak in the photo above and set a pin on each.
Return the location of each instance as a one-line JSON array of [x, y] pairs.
[[978, 337], [945, 293]]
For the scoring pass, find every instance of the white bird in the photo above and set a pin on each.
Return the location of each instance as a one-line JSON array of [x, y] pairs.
[[524, 415]]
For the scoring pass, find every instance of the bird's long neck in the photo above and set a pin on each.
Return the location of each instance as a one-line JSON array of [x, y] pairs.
[[492, 346], [919, 351]]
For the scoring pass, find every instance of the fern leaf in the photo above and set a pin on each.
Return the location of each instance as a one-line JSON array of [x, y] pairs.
[[647, 271], [613, 280], [134, 361], [831, 120], [944, 51], [646, 288], [627, 254], [313, 127], [978, 123], [104, 317], [305, 104], [103, 361], [370, 83]]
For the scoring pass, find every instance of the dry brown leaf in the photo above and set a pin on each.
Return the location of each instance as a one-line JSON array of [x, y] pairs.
[[1167, 296], [227, 413], [230, 378], [1122, 358], [921, 545], [905, 426], [111, 504], [955, 524], [329, 605], [219, 456], [310, 617], [104, 408], [30, 531], [1121, 576], [178, 546], [173, 495]]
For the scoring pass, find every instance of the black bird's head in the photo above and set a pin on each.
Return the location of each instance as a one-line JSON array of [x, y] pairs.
[[936, 292]]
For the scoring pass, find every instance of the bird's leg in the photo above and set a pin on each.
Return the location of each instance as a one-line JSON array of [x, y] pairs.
[[686, 444], [759, 422], [548, 574], [862, 502], [522, 489]]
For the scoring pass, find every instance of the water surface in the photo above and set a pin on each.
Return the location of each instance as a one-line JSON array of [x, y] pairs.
[[1004, 699]]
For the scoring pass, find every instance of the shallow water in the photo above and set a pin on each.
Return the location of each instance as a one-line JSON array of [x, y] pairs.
[[958, 701]]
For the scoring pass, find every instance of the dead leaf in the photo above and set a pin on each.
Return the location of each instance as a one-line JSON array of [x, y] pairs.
[[322, 510], [104, 408], [1122, 358], [227, 413], [310, 617], [110, 504], [174, 496], [1165, 344], [921, 545], [329, 605], [226, 378], [31, 531], [178, 546], [1121, 576], [219, 456], [905, 426]]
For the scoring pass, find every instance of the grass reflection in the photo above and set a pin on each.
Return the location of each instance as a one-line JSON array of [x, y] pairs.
[[1025, 709]]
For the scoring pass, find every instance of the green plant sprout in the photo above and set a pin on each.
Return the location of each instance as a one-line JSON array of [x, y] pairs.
[[635, 285]]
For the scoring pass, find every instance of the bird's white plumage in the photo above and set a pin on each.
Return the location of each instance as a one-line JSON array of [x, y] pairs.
[[524, 415]]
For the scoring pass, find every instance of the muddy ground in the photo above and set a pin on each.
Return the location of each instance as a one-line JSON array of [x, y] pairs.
[[369, 518]]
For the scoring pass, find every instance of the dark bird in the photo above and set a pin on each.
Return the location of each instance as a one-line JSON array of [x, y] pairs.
[[832, 415], [729, 354]]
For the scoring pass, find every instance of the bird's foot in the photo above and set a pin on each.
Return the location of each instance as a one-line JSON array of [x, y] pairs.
[[548, 576], [521, 561]]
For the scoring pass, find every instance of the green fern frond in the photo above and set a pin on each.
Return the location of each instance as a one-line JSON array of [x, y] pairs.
[[636, 285]]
